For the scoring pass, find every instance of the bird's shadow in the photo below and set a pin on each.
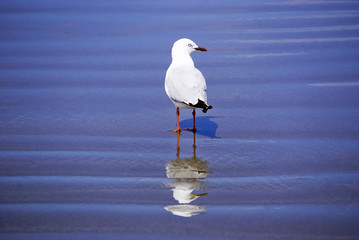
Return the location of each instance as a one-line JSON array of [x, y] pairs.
[[205, 126]]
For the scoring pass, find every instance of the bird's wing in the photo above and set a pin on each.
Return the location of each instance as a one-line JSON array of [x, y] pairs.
[[186, 85]]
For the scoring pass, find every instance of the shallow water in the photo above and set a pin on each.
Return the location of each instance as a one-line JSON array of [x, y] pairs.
[[84, 147]]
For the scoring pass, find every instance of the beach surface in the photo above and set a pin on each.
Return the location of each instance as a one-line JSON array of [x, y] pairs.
[[85, 151]]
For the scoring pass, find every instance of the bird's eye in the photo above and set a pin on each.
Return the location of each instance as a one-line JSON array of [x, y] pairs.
[[190, 45]]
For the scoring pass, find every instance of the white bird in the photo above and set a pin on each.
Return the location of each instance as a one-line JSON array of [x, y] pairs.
[[185, 84]]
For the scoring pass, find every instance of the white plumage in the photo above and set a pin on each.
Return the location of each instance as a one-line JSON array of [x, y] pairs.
[[185, 84]]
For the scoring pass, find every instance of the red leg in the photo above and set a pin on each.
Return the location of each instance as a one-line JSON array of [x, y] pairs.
[[178, 129], [194, 120], [194, 129]]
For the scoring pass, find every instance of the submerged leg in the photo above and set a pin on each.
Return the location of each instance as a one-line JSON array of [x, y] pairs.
[[194, 146], [178, 146]]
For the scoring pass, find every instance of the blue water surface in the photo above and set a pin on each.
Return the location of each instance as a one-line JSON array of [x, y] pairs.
[[85, 151]]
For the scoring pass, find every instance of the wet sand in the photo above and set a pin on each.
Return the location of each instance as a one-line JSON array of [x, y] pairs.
[[85, 151]]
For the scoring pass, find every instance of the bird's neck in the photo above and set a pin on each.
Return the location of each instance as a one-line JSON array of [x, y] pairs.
[[181, 59]]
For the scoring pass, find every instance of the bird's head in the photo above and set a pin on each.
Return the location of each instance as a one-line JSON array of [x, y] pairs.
[[186, 46]]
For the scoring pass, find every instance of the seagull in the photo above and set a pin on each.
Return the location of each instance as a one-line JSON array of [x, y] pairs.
[[184, 83]]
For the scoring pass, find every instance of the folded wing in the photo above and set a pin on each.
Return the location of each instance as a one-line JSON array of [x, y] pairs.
[[186, 85]]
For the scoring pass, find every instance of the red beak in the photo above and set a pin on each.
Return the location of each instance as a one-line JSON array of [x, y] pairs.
[[201, 49]]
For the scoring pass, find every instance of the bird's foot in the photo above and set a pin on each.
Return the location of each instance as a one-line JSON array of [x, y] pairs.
[[178, 131], [191, 129]]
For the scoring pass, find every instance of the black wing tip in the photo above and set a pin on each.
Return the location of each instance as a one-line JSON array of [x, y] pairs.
[[200, 104], [206, 108]]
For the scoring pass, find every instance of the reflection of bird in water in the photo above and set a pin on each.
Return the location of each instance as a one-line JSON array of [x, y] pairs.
[[186, 171], [185, 210]]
